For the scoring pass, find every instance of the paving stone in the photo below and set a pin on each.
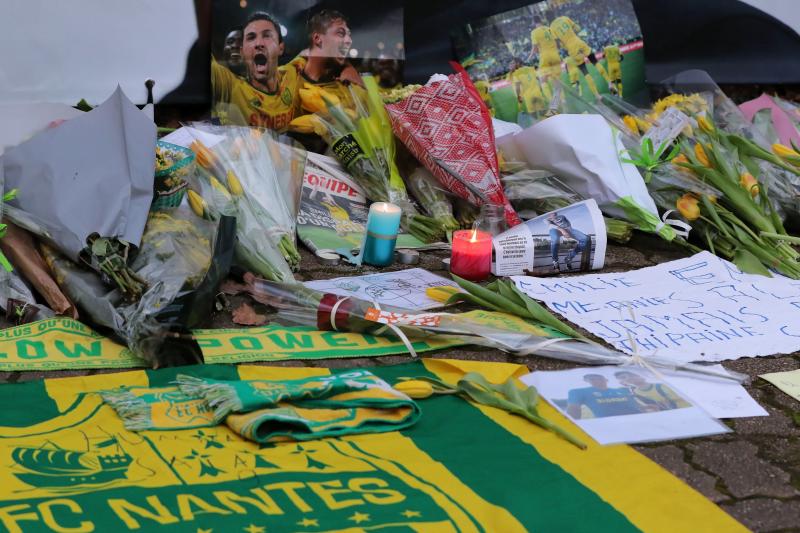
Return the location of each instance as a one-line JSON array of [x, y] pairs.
[[671, 458], [741, 471], [778, 424], [763, 514]]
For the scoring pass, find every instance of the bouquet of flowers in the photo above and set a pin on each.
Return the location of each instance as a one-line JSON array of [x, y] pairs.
[[255, 179], [364, 144], [545, 336], [447, 127]]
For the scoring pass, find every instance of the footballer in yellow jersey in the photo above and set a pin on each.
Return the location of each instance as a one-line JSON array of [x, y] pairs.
[[652, 396], [482, 86], [573, 72], [566, 31], [614, 68], [549, 58], [268, 95], [526, 86]]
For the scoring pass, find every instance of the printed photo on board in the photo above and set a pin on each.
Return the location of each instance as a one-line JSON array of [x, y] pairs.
[[594, 46], [623, 404], [264, 52]]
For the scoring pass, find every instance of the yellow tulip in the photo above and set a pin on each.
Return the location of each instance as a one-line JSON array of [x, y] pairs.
[[749, 183], [197, 204], [688, 206], [311, 99], [233, 184], [307, 124], [219, 187], [705, 124], [784, 151], [701, 155], [203, 155], [441, 294], [631, 123], [415, 388], [680, 158]]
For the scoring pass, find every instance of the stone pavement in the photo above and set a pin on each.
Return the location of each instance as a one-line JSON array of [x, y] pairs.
[[752, 473]]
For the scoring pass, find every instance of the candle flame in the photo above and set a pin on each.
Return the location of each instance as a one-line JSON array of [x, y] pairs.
[[385, 209], [474, 237]]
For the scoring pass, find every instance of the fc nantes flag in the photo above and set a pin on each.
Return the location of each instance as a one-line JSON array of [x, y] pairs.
[[70, 465]]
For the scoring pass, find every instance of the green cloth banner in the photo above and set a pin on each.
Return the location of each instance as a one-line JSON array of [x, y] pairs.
[[70, 465], [63, 343]]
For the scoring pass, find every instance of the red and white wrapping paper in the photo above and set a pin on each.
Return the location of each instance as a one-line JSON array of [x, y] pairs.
[[448, 128]]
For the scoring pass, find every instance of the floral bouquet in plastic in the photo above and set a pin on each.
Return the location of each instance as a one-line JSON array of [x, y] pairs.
[[256, 179], [448, 129], [364, 144]]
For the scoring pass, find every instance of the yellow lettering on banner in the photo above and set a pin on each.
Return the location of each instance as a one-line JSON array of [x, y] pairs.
[[264, 503], [337, 339], [290, 341], [289, 488], [159, 513], [187, 501], [45, 509], [327, 495], [379, 496], [10, 520]]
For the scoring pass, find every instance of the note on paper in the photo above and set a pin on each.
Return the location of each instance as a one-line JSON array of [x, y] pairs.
[[701, 308], [788, 382], [405, 288]]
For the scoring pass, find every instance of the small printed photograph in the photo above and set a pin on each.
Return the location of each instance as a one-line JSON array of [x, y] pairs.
[[566, 240], [623, 404]]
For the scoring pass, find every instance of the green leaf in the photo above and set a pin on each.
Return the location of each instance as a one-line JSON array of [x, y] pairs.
[[749, 263]]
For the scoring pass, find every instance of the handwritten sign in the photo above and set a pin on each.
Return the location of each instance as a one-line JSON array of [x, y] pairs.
[[701, 308]]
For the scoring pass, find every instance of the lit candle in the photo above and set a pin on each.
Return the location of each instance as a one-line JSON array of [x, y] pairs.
[[383, 224], [472, 254]]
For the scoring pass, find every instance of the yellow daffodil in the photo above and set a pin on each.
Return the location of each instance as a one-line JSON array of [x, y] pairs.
[[441, 294], [688, 206], [700, 153], [749, 183], [415, 388]]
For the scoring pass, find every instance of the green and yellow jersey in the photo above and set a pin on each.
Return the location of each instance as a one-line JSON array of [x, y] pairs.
[[659, 395], [232, 94], [613, 59], [526, 85], [573, 71], [566, 31], [549, 58], [339, 89]]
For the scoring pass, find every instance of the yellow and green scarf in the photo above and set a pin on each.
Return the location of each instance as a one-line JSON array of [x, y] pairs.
[[269, 410]]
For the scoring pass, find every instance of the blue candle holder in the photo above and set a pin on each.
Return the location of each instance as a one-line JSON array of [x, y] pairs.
[[383, 223]]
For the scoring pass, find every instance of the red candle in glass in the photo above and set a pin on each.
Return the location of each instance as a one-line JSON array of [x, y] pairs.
[[472, 254]]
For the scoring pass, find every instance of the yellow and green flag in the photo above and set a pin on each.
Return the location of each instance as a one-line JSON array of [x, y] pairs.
[[69, 464]]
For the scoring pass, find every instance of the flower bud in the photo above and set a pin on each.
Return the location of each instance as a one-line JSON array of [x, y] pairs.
[[688, 206], [441, 294], [700, 153], [705, 124], [749, 183]]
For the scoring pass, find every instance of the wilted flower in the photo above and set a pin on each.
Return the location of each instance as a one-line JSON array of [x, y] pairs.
[[307, 124], [688, 206]]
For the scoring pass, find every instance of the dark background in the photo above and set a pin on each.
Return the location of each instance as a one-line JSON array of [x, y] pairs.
[[734, 42]]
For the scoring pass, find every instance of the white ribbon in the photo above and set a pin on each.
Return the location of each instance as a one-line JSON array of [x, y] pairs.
[[680, 227], [397, 331]]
